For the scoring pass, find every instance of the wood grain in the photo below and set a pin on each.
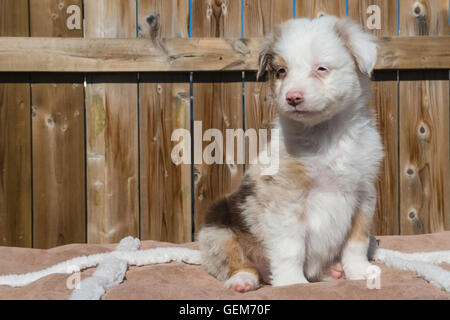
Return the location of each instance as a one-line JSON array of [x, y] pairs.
[[260, 17], [112, 131], [424, 128], [217, 104], [15, 138], [49, 18], [311, 9], [58, 161], [58, 141], [208, 54], [384, 103], [164, 107], [14, 20], [15, 163], [424, 18], [173, 17]]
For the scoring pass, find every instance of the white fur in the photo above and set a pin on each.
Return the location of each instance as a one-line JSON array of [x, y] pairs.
[[305, 44], [284, 238], [337, 142]]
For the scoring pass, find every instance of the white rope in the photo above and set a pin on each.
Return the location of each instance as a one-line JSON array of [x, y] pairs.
[[423, 263], [434, 257], [131, 257], [113, 266], [110, 272]]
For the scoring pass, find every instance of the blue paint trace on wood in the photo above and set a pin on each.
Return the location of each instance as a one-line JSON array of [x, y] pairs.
[[294, 5], [191, 113], [398, 17], [346, 8], [190, 18], [137, 18], [242, 19]]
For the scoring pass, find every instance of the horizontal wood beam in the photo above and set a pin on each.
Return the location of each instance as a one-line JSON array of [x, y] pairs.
[[173, 54]]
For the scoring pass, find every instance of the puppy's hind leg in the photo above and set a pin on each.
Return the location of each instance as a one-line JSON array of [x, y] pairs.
[[224, 258]]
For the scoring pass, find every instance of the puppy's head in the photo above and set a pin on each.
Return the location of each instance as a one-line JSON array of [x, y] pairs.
[[317, 68]]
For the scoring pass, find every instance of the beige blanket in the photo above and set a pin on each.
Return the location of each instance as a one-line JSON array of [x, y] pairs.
[[181, 281]]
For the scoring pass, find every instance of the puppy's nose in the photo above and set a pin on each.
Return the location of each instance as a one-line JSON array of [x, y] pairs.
[[294, 98]]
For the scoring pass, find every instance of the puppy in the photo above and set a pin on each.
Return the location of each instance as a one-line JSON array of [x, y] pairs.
[[317, 210]]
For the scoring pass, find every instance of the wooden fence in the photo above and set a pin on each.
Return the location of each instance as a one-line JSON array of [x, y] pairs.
[[86, 124]]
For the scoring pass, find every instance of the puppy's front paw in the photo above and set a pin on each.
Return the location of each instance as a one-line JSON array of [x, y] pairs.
[[357, 270], [242, 282]]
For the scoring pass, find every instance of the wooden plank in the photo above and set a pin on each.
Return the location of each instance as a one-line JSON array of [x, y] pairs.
[[447, 216], [49, 18], [217, 105], [58, 160], [58, 141], [259, 19], [413, 53], [15, 138], [14, 18], [210, 54], [112, 133], [384, 103], [311, 9], [15, 162], [424, 128], [164, 108]]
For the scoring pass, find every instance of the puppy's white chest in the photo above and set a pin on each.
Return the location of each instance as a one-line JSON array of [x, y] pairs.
[[335, 170]]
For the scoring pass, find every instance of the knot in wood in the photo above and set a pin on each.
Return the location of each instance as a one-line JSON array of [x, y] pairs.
[[410, 171], [412, 215], [50, 122], [224, 8], [423, 131], [418, 10], [209, 11], [153, 23], [241, 47]]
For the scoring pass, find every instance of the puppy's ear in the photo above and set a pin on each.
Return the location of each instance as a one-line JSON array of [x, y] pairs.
[[265, 56], [361, 44]]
